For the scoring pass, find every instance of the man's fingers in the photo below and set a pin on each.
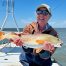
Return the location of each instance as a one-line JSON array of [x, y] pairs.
[[19, 42], [11, 40], [48, 46]]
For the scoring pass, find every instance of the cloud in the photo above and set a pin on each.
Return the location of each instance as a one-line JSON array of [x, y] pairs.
[[24, 22]]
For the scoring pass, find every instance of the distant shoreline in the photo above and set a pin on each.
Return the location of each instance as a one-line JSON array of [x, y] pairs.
[[20, 29], [12, 29]]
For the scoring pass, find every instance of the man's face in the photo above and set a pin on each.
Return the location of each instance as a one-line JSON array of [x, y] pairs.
[[43, 15]]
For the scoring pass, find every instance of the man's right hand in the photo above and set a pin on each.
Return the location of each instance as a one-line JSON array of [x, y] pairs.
[[17, 41]]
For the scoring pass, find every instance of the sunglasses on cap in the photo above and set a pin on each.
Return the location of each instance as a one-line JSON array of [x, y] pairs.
[[44, 12]]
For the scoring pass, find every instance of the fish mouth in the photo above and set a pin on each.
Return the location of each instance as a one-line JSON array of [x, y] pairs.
[[61, 43]]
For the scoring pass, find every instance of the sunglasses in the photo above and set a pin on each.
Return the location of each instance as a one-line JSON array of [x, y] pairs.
[[44, 12]]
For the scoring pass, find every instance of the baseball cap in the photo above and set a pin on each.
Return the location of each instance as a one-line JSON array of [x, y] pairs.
[[45, 6]]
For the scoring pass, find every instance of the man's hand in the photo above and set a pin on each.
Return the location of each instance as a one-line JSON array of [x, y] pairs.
[[17, 41], [49, 47]]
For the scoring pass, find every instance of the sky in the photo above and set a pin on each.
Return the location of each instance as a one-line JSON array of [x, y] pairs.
[[24, 12]]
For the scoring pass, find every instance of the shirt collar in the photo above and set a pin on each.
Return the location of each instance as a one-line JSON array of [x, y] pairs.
[[46, 27]]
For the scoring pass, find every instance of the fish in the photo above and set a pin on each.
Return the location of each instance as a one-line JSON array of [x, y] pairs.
[[35, 41]]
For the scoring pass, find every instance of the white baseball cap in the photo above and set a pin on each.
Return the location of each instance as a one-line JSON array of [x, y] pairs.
[[46, 6]]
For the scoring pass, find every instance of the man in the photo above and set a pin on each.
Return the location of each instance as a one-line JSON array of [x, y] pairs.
[[29, 57]]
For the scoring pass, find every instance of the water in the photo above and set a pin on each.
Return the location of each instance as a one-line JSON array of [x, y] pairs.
[[60, 53]]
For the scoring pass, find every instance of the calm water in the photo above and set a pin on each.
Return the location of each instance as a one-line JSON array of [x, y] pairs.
[[60, 53]]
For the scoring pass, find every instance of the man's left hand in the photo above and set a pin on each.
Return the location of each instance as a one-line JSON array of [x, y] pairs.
[[48, 47]]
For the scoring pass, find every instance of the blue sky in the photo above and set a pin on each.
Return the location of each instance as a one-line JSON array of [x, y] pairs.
[[24, 11]]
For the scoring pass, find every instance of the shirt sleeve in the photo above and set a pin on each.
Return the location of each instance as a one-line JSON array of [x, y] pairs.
[[28, 29], [45, 54]]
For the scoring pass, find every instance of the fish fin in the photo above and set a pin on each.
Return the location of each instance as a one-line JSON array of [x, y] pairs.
[[38, 50]]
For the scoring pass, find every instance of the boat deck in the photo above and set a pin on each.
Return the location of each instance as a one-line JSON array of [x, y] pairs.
[[9, 55], [10, 59]]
